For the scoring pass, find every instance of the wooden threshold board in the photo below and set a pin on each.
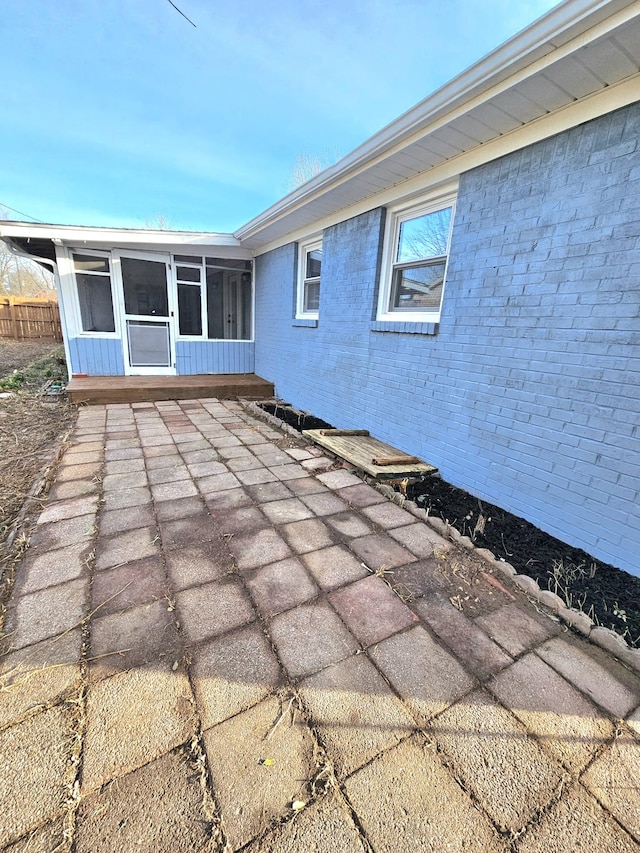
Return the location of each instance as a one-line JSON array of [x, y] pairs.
[[361, 450], [144, 389]]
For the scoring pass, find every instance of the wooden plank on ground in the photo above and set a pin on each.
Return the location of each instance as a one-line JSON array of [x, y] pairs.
[[361, 450]]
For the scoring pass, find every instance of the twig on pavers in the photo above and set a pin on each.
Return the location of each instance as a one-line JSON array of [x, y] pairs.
[[282, 715], [108, 654]]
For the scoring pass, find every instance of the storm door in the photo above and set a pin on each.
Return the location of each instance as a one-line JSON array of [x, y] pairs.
[[148, 314]]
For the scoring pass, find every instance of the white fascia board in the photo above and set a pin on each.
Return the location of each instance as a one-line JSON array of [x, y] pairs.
[[560, 32], [178, 242]]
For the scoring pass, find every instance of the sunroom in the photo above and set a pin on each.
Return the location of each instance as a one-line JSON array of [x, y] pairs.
[[136, 303]]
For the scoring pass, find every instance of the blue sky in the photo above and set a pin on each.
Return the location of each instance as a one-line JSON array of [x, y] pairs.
[[116, 112]]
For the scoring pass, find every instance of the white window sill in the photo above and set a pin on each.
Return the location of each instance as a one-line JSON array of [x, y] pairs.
[[307, 322], [405, 327]]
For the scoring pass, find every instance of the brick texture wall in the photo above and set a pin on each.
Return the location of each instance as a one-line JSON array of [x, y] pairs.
[[528, 395]]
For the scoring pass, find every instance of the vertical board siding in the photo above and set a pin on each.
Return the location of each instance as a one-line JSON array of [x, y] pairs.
[[528, 395], [96, 356], [193, 357]]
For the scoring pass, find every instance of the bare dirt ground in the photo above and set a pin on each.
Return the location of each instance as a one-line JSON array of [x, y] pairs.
[[31, 424]]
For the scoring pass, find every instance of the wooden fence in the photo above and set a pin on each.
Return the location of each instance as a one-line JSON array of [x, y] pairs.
[[29, 318]]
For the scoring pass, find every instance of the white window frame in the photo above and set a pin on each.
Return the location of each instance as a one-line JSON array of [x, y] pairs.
[[303, 250], [197, 263], [395, 219], [115, 305]]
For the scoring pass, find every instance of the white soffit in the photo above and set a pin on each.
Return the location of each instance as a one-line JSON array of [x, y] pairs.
[[576, 52]]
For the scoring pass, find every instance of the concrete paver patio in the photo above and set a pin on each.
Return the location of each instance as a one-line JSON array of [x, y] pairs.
[[212, 645]]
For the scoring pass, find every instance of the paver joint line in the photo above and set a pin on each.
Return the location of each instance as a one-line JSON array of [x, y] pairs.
[[225, 600]]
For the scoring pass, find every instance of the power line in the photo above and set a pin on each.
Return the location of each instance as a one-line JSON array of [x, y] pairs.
[[21, 213], [182, 13]]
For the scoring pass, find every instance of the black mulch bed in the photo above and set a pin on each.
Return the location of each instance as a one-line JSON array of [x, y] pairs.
[[608, 595], [297, 420]]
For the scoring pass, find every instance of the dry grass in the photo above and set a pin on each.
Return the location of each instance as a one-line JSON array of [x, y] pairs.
[[30, 424]]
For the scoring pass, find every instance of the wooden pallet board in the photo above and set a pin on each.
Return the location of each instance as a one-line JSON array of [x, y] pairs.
[[361, 450]]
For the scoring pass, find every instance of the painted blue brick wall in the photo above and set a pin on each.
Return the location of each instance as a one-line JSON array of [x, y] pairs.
[[529, 394], [96, 356]]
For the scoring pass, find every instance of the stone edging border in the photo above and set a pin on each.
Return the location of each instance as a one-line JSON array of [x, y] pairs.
[[605, 638]]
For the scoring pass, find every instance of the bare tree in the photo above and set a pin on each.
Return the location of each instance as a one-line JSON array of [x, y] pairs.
[[307, 166]]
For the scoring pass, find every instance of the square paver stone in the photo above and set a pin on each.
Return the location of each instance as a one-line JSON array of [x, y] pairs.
[[515, 630], [250, 793], [310, 637], [129, 518], [334, 566], [426, 676], [212, 609], [233, 672], [258, 549], [280, 586], [371, 610], [464, 638], [126, 547], [127, 586], [380, 552], [127, 498], [58, 534], [565, 723], [172, 491], [180, 508], [196, 566], [388, 515], [339, 479], [355, 711], [577, 823], [61, 510], [33, 779], [595, 673], [187, 532], [307, 486], [614, 778], [308, 535], [348, 525], [132, 718], [265, 492], [420, 539], [324, 503], [39, 675], [160, 805], [406, 800], [322, 827], [51, 568], [504, 768], [362, 495], [283, 512], [46, 613], [142, 634]]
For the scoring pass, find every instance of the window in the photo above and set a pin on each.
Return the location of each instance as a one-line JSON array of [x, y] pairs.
[[309, 269], [229, 299], [416, 265], [93, 280], [189, 299]]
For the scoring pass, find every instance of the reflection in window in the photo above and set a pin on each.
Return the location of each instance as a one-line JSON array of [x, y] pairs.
[[419, 262]]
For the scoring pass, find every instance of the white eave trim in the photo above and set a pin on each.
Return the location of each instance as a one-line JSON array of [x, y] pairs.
[[556, 34], [177, 242]]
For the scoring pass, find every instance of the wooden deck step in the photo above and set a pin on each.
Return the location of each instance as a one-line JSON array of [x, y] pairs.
[[369, 454], [150, 389]]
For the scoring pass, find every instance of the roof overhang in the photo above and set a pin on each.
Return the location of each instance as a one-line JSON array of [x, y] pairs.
[[579, 61], [40, 240]]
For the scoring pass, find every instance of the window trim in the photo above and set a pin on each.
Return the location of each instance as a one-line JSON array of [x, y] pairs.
[[397, 216], [115, 303], [312, 245]]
